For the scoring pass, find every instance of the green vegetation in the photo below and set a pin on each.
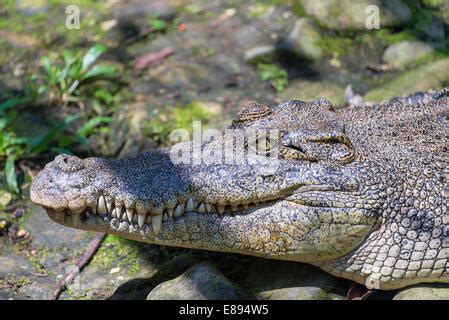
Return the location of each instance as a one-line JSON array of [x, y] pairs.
[[65, 83], [277, 77], [164, 122], [158, 24], [68, 79]]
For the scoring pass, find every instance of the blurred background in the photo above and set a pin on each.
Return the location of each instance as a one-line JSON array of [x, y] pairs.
[[114, 78]]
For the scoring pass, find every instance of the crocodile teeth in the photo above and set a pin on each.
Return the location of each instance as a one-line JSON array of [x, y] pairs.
[[190, 205], [101, 208], [156, 222], [170, 212], [179, 210], [202, 208], [220, 209], [209, 207], [165, 217], [234, 208], [245, 206], [129, 214], [114, 213], [141, 220], [109, 205]]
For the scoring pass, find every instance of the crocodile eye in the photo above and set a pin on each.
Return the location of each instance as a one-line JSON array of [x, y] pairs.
[[251, 111]]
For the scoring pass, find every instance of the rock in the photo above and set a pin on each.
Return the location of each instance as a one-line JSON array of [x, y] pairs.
[[31, 7], [401, 54], [5, 198], [308, 90], [424, 292], [283, 280], [260, 53], [298, 293], [44, 232], [304, 40], [201, 282], [431, 75], [158, 8], [351, 15]]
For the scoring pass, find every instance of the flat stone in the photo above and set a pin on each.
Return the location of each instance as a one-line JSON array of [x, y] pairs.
[[31, 7], [430, 75], [44, 232], [401, 54], [265, 52], [424, 292], [201, 282], [351, 15]]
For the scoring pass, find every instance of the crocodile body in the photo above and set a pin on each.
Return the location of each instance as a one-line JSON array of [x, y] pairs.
[[360, 192]]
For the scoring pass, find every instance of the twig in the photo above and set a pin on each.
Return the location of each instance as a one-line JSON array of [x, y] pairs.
[[41, 275], [152, 59], [68, 278]]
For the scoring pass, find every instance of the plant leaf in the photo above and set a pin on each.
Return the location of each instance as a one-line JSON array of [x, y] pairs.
[[89, 126], [11, 103], [100, 70], [11, 178], [91, 55]]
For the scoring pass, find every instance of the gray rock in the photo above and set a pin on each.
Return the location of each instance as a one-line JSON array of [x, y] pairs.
[[44, 232], [201, 282], [401, 54], [31, 7], [157, 8], [351, 15], [298, 293], [424, 292], [266, 52], [304, 39], [431, 75]]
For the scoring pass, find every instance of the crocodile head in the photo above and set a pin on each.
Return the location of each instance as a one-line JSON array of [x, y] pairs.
[[294, 182]]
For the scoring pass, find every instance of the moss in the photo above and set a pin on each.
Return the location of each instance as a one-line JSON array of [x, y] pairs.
[[163, 122], [118, 252], [321, 295]]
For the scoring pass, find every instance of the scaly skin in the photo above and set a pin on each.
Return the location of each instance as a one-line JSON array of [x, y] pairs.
[[360, 192]]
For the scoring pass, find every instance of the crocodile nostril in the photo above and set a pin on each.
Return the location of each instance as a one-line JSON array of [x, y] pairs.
[[68, 163]]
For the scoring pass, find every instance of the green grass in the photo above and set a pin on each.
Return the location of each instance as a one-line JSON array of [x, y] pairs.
[[275, 75]]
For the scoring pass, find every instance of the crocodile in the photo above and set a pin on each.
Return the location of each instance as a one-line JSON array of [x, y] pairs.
[[360, 192]]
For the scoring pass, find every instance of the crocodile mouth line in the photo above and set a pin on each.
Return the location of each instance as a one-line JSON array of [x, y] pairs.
[[106, 211]]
